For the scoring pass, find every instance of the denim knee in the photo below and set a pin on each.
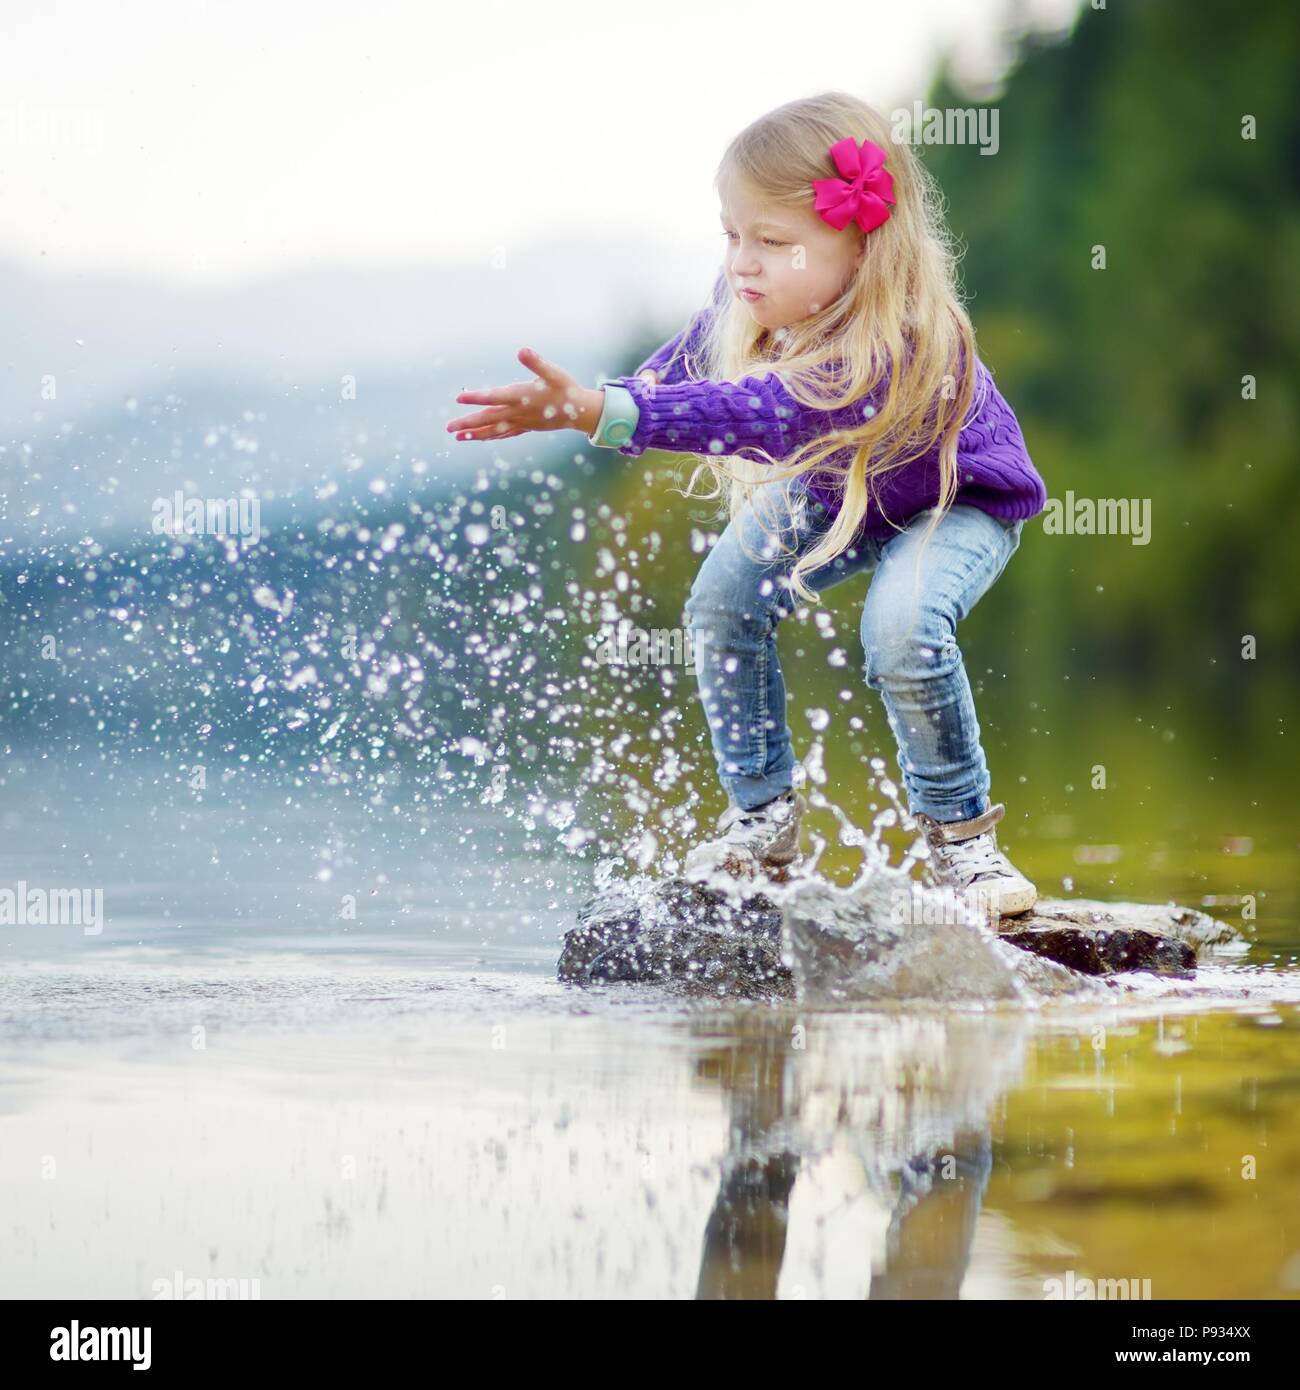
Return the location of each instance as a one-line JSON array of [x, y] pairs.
[[908, 644], [722, 602]]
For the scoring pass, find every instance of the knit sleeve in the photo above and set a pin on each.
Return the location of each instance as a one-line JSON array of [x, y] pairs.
[[729, 417]]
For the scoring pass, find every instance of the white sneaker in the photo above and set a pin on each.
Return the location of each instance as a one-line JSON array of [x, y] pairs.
[[766, 837], [965, 855]]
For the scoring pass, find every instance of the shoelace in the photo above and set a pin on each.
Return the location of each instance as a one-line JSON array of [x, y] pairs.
[[973, 858]]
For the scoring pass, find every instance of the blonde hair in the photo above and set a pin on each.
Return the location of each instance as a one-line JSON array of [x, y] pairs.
[[899, 316]]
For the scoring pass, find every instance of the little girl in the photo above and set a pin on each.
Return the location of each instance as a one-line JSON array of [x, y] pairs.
[[834, 386]]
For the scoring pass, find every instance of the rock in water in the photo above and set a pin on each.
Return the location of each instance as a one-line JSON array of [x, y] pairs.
[[1103, 937], [851, 947], [674, 932], [810, 940]]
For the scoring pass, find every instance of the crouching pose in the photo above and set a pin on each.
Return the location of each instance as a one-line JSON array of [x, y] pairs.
[[832, 385]]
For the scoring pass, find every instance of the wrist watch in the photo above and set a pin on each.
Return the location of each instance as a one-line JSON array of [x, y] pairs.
[[618, 417]]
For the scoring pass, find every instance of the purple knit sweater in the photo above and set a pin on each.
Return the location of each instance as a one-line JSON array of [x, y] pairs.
[[994, 471]]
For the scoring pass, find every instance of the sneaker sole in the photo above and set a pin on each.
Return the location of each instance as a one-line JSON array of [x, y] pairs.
[[1015, 902], [1011, 902]]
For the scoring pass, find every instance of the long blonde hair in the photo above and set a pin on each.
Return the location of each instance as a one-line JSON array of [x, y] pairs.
[[900, 316]]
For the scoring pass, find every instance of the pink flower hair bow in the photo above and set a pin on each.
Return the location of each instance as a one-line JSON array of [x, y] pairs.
[[864, 192]]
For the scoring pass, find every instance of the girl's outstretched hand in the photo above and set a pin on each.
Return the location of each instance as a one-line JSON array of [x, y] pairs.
[[555, 401]]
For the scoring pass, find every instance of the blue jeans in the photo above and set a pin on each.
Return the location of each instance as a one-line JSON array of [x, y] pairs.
[[909, 624]]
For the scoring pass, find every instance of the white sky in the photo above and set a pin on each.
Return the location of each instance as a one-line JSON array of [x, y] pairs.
[[216, 142]]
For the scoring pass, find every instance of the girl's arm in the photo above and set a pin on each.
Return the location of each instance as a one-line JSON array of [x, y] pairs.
[[673, 414], [711, 417]]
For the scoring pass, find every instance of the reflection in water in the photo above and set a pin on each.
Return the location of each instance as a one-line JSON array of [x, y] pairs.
[[911, 1095], [933, 1224], [499, 1132], [744, 1241]]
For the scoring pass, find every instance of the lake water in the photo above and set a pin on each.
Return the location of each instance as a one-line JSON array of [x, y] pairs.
[[318, 1046]]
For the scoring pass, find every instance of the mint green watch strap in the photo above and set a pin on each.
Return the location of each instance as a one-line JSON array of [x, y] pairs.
[[618, 417]]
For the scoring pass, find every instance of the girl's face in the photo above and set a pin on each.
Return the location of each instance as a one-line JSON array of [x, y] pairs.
[[794, 262]]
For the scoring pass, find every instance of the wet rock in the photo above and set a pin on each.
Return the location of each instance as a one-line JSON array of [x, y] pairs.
[[1096, 952], [817, 942], [673, 932], [1164, 922]]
